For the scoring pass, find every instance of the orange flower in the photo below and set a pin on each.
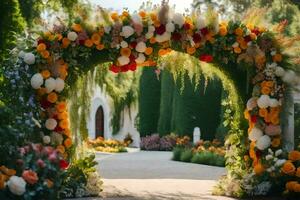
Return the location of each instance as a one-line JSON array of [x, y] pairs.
[[65, 42], [52, 97], [244, 45], [149, 51], [61, 106], [298, 172], [61, 149], [253, 36], [100, 47], [45, 54], [2, 181], [268, 118], [46, 74], [68, 142], [162, 52], [49, 183], [96, 38], [41, 47], [125, 13], [258, 169], [30, 176], [265, 90], [88, 43], [263, 112], [260, 59], [288, 168], [276, 142], [223, 30], [152, 40], [64, 124], [62, 115], [290, 185], [247, 114], [294, 155], [67, 132], [269, 83], [274, 119], [297, 188], [143, 14], [153, 16], [125, 52], [191, 50], [237, 50], [77, 27], [59, 37], [277, 57], [114, 16], [239, 31]]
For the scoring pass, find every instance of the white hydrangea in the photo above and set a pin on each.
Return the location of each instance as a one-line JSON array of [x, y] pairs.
[[51, 124], [251, 103], [178, 19], [263, 142], [59, 84], [163, 38], [29, 58], [200, 22], [37, 80], [280, 162], [127, 31], [141, 47], [274, 103], [278, 152], [279, 71], [263, 101], [170, 27], [123, 60], [46, 139], [124, 44], [140, 59], [50, 84], [16, 185], [255, 134], [72, 36]]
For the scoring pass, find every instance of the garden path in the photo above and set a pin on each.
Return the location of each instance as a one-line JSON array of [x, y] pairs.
[[153, 175]]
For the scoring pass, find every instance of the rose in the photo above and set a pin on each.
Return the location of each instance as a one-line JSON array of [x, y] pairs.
[[124, 44], [288, 168], [263, 101], [36, 81], [140, 59], [294, 155], [72, 36], [30, 176], [16, 185], [123, 60], [29, 58], [263, 142], [206, 58], [127, 31], [141, 47], [63, 164], [255, 134], [51, 124], [50, 84]]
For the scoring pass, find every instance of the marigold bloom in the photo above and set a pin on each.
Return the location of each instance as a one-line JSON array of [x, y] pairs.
[[52, 97], [125, 52], [46, 74], [77, 27], [41, 47], [68, 142], [88, 43]]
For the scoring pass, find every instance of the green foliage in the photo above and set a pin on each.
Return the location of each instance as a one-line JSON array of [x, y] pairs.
[[208, 158], [149, 100], [177, 153], [186, 155]]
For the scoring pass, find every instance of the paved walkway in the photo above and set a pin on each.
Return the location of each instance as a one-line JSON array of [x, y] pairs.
[[154, 176]]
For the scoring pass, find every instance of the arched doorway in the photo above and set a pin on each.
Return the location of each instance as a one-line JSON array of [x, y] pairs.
[[99, 122]]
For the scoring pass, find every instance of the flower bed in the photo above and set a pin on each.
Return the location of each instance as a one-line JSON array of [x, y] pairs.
[[204, 152], [109, 146]]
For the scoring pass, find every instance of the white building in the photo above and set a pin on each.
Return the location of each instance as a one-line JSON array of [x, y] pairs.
[[100, 118]]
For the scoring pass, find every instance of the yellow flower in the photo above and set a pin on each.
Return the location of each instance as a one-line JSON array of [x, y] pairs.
[[290, 185], [149, 51], [100, 47], [143, 14], [263, 112], [61, 106], [65, 42], [265, 90], [114, 16], [45, 54], [62, 115], [64, 123]]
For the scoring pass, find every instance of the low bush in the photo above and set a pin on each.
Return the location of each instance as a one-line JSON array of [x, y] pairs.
[[177, 153], [186, 155], [208, 158], [110, 146]]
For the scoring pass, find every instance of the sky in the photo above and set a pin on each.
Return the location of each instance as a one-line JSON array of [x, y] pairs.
[[134, 5]]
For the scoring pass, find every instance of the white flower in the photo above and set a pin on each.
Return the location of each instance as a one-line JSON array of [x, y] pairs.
[[141, 47], [255, 134], [164, 37], [16, 185], [149, 35], [289, 77], [123, 60], [269, 157], [274, 103], [170, 27], [280, 162], [273, 53], [200, 23], [263, 142], [56, 138], [50, 84], [279, 71], [136, 19], [235, 45], [29, 58], [251, 103], [21, 54], [46, 139], [72, 36], [107, 29], [127, 31], [36, 80], [140, 59], [59, 84], [178, 19], [124, 44], [151, 29], [263, 101], [278, 152], [51, 124]]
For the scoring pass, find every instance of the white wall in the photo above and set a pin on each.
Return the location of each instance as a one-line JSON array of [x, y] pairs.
[[100, 98]]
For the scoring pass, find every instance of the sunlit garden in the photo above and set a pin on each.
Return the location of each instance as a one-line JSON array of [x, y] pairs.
[[196, 99]]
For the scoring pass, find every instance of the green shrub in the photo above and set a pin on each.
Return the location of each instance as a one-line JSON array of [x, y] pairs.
[[186, 155], [177, 153], [208, 158]]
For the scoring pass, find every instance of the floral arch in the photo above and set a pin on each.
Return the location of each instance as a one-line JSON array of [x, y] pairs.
[[58, 56]]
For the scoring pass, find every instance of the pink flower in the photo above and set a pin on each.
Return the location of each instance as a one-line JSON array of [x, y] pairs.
[[138, 28], [48, 150], [272, 130], [30, 176], [22, 151], [53, 156], [40, 163]]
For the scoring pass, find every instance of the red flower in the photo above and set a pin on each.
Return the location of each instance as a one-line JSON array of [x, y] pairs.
[[125, 68], [40, 41], [114, 68], [247, 38], [63, 164], [186, 26], [253, 118], [176, 36], [133, 45], [45, 104], [58, 129], [160, 30], [197, 38], [206, 58], [204, 31], [256, 31], [132, 66]]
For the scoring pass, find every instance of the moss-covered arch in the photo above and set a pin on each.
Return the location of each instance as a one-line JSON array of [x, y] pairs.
[[58, 57]]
